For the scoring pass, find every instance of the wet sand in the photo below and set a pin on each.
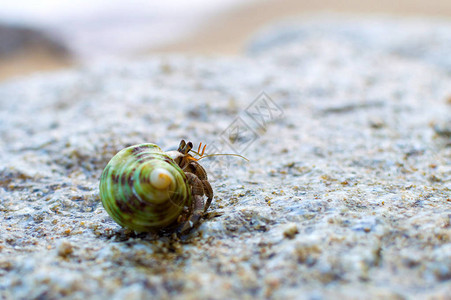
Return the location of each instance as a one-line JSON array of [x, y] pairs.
[[31, 61]]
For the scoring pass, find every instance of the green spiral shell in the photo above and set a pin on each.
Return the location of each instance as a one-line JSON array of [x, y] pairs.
[[132, 200]]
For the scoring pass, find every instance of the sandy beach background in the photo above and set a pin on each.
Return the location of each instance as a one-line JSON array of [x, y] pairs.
[[215, 29]]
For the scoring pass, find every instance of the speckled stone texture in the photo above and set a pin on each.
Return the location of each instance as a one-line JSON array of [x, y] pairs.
[[347, 193]]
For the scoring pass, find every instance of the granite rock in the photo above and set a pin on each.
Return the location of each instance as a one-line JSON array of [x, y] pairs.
[[347, 192]]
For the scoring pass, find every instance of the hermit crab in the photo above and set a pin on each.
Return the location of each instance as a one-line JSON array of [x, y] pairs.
[[147, 190]]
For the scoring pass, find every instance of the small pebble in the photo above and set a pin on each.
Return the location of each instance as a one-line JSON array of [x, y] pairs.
[[290, 231], [65, 249]]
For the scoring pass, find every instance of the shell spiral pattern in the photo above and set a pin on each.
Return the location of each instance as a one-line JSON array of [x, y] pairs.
[[143, 189]]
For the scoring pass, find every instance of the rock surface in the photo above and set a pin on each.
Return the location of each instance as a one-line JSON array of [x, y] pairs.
[[17, 39], [347, 192]]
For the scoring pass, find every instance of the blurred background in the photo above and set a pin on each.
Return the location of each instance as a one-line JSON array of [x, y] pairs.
[[45, 35]]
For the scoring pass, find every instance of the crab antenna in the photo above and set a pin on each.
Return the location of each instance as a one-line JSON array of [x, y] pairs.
[[201, 154], [199, 150], [218, 154]]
